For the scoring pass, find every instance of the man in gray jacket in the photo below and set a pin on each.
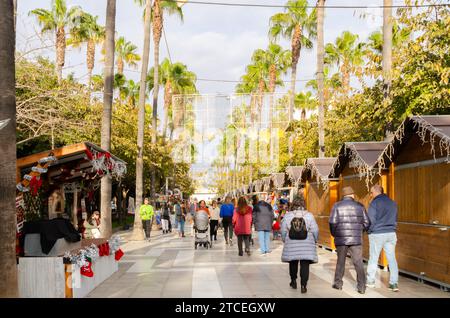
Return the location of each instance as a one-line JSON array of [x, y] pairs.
[[262, 221], [383, 224], [348, 220]]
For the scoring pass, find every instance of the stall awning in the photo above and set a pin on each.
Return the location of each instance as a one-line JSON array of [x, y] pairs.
[[77, 161]]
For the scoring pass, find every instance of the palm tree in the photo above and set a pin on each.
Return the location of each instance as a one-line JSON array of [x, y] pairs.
[[330, 84], [126, 54], [299, 26], [320, 66], [56, 20], [171, 7], [130, 91], [347, 54], [177, 79], [91, 32], [278, 61], [105, 189], [305, 101], [8, 274], [138, 233]]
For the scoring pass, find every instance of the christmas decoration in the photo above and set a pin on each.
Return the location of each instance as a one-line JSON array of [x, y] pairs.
[[104, 163], [118, 255], [33, 180], [86, 270]]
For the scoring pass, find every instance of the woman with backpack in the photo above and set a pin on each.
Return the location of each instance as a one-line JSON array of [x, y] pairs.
[[299, 232]]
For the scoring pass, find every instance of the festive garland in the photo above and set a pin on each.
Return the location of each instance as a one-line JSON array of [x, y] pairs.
[[84, 258], [295, 174], [32, 182], [103, 163]]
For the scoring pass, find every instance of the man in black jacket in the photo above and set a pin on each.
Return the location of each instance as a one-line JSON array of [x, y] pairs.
[[348, 220]]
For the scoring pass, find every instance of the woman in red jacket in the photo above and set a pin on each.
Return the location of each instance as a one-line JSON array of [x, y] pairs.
[[242, 221]]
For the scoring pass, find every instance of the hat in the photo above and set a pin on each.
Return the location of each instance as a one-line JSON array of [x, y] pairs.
[[347, 191], [283, 201]]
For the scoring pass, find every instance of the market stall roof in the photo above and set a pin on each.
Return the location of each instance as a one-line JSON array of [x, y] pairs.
[[319, 167], [278, 179], [75, 156], [433, 129], [363, 156], [295, 173]]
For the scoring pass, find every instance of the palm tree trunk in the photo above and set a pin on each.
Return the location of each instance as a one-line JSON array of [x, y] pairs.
[[157, 31], [167, 102], [105, 190], [90, 60], [296, 45], [387, 55], [8, 272], [138, 233], [60, 51], [320, 62]]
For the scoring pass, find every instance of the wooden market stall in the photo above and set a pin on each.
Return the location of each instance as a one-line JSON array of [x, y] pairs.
[[321, 193], [356, 166], [418, 158], [58, 188]]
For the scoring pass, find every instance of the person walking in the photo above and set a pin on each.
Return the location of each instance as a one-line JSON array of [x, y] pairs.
[[382, 235], [299, 250], [165, 218], [262, 221], [214, 221], [348, 220], [242, 222], [226, 213], [192, 208], [146, 213], [182, 218], [178, 213]]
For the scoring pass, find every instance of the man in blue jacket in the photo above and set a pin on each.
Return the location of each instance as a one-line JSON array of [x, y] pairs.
[[226, 213], [382, 235]]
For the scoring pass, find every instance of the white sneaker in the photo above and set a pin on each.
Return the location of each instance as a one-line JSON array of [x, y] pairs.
[[370, 285], [262, 254]]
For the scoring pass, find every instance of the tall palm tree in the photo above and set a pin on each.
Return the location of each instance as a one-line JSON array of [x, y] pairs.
[[347, 54], [320, 66], [138, 233], [299, 26], [177, 79], [330, 84], [126, 54], [159, 8], [8, 274], [57, 20], [278, 61], [91, 32], [130, 91], [305, 101], [105, 188]]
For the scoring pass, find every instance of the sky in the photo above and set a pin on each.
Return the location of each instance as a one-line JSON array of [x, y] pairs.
[[215, 42]]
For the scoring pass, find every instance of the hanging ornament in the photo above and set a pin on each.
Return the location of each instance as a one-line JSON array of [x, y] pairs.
[[118, 254], [86, 270]]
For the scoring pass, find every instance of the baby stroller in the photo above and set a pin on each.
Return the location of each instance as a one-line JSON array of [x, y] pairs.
[[201, 227]]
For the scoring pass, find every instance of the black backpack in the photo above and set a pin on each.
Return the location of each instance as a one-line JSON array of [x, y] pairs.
[[298, 230]]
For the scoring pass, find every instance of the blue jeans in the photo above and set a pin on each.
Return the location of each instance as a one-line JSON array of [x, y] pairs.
[[181, 223], [264, 240], [385, 241]]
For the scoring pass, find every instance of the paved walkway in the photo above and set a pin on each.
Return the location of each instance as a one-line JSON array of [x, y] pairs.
[[168, 266]]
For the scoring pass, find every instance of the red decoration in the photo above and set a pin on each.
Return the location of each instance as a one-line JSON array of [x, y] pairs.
[[89, 154], [35, 184], [118, 255], [87, 270], [103, 249]]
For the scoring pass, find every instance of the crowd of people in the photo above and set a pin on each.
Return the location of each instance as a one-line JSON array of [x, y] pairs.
[[296, 227]]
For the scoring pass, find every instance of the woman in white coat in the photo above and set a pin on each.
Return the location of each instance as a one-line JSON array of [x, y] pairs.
[[297, 251]]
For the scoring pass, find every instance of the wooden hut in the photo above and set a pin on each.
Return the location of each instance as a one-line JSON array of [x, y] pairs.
[[356, 166], [321, 192], [418, 158]]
